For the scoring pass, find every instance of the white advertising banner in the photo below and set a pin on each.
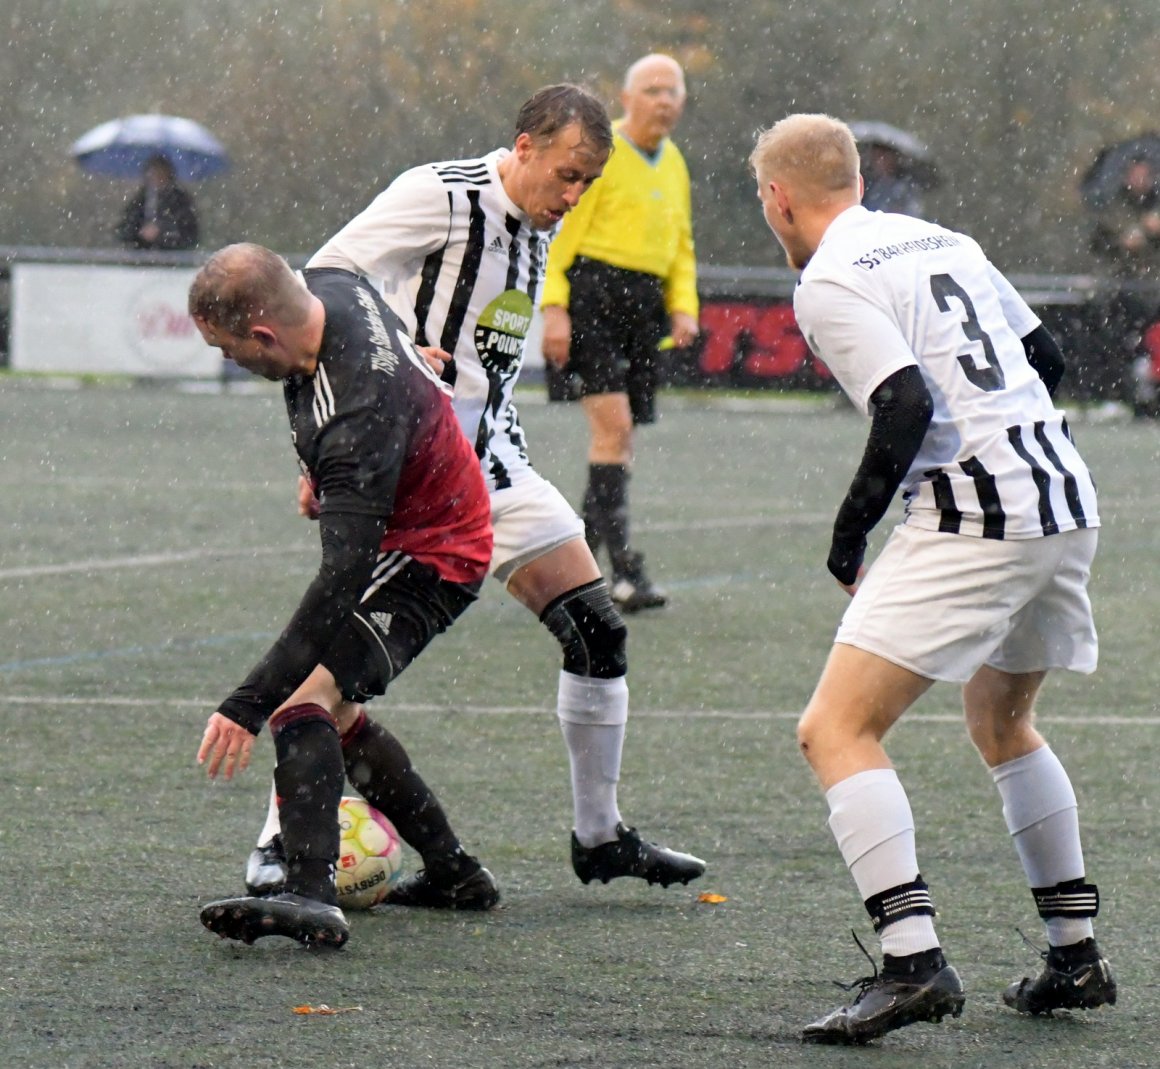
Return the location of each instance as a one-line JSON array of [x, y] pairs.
[[89, 319]]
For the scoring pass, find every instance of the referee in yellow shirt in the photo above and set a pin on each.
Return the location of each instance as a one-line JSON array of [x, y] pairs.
[[621, 275]]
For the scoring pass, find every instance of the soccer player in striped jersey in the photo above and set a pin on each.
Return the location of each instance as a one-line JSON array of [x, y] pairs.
[[459, 250], [983, 584]]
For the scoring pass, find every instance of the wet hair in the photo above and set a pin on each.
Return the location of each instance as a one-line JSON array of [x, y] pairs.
[[817, 152], [245, 283], [552, 108]]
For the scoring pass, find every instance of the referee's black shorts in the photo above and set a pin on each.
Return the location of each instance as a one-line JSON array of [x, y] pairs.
[[405, 607], [618, 320]]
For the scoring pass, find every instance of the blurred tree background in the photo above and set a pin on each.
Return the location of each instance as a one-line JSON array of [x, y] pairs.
[[321, 103]]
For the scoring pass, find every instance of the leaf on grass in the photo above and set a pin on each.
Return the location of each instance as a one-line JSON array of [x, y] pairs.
[[327, 1011], [711, 898]]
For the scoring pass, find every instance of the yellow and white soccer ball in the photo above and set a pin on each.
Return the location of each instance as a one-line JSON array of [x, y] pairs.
[[370, 855]]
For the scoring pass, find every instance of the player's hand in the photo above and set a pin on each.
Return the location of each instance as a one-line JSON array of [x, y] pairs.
[[683, 329], [308, 505], [557, 339], [225, 741], [852, 588], [437, 359]]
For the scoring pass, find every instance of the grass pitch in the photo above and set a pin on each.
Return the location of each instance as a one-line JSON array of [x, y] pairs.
[[150, 554]]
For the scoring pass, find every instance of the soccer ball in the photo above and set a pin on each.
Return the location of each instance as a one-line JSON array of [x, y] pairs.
[[370, 855]]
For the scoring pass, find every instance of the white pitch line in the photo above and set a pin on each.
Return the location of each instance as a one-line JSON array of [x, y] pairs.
[[147, 560], [1095, 720], [141, 560]]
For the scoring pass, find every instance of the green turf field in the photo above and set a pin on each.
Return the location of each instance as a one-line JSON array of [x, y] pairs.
[[150, 553]]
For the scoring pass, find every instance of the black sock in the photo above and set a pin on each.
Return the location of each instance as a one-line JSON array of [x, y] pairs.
[[608, 491], [378, 767], [914, 968], [309, 781], [1068, 957]]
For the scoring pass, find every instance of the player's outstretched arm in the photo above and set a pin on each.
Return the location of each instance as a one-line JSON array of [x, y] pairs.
[[225, 741]]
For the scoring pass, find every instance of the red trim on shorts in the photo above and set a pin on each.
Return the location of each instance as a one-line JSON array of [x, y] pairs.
[[297, 714], [359, 724]]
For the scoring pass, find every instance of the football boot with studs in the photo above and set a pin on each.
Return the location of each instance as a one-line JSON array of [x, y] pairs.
[[426, 890], [1073, 978], [629, 855], [632, 590], [920, 987], [266, 869], [308, 920]]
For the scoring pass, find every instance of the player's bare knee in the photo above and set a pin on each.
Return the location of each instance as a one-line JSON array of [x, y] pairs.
[[346, 714], [1003, 738], [590, 631]]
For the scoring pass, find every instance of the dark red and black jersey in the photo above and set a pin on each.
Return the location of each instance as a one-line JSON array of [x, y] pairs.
[[375, 429], [392, 469]]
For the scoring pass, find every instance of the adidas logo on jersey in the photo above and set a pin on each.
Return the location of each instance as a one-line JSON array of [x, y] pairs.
[[497, 245]]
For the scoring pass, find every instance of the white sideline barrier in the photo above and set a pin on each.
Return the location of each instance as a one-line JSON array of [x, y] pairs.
[[92, 319]]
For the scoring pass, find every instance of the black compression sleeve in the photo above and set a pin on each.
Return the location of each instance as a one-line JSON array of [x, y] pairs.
[[902, 413], [1045, 356], [350, 544]]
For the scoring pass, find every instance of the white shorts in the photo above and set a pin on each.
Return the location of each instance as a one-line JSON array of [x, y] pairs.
[[942, 605], [531, 517]]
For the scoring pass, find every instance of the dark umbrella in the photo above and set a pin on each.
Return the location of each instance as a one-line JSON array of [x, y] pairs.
[[121, 148], [1105, 177], [917, 160]]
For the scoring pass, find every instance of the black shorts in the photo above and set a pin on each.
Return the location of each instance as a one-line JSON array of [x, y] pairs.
[[398, 616], [618, 320]]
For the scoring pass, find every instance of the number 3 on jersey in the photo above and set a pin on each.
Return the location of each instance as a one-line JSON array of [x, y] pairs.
[[987, 378]]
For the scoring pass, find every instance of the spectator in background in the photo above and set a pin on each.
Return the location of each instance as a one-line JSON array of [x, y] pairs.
[[161, 214], [889, 185], [1127, 236], [622, 273]]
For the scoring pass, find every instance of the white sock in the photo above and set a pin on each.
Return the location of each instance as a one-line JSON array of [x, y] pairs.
[[871, 820], [1042, 815], [592, 714], [273, 825]]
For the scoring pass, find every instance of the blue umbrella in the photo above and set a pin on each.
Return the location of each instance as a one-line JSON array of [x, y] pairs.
[[122, 147]]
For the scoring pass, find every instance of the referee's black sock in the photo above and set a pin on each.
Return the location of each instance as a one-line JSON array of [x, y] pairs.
[[309, 780], [608, 489], [379, 768]]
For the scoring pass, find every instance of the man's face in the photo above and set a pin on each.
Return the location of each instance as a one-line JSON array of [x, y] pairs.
[[256, 352], [797, 254], [554, 175], [653, 102]]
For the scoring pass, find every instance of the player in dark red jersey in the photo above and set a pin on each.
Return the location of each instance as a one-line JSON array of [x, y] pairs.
[[406, 537]]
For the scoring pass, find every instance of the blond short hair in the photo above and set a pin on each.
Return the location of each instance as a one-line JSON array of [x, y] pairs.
[[815, 153]]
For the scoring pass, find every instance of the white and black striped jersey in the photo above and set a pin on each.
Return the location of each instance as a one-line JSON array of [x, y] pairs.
[[886, 291], [462, 266]]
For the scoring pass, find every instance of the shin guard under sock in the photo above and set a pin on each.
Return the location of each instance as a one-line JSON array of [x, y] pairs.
[[379, 768], [309, 781]]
